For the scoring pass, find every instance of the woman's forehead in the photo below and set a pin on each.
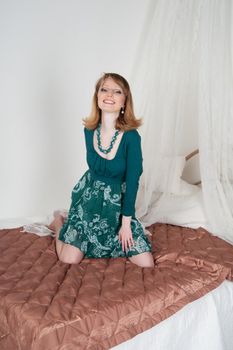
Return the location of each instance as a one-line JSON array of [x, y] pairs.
[[109, 82]]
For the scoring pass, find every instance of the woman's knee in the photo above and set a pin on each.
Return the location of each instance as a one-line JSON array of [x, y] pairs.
[[143, 260], [70, 255], [69, 260]]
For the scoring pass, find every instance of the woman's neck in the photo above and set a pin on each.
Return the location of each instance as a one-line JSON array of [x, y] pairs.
[[108, 121]]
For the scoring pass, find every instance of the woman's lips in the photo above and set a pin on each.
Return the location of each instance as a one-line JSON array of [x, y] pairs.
[[109, 102]]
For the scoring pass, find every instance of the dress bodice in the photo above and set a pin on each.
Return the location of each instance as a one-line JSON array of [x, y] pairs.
[[126, 166]]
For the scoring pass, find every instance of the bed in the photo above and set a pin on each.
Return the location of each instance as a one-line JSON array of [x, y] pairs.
[[113, 304]]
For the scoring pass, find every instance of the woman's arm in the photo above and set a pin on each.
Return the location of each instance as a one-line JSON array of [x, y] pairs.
[[133, 173]]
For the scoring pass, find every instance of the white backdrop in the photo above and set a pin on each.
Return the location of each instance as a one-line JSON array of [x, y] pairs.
[[52, 53]]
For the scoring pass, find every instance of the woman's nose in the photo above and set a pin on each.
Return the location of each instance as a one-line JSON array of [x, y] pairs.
[[110, 92]]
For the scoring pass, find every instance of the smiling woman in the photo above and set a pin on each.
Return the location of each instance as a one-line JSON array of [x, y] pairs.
[[101, 222], [111, 99], [121, 96]]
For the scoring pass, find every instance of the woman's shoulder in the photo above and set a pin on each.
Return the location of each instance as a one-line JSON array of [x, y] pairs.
[[88, 135], [133, 135]]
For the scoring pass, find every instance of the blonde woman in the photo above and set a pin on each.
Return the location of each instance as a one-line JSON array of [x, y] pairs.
[[101, 222]]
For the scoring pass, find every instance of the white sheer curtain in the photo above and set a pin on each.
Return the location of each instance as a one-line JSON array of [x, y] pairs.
[[183, 62], [216, 114]]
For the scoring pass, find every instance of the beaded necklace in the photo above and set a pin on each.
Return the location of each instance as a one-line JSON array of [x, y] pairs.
[[106, 151]]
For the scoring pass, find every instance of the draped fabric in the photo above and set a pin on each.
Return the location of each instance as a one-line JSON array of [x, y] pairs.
[[216, 114], [182, 84]]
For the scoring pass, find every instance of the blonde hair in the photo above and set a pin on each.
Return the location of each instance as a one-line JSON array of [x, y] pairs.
[[124, 122]]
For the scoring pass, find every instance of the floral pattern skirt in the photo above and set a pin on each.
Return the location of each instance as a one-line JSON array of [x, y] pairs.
[[94, 220]]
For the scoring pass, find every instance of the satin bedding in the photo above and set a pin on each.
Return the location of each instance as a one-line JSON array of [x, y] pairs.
[[46, 304]]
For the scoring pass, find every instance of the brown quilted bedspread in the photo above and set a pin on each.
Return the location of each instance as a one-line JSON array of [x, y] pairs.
[[48, 305]]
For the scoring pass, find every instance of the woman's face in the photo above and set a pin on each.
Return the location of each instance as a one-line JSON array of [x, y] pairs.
[[111, 97]]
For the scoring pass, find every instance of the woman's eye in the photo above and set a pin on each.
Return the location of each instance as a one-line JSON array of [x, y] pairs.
[[118, 92], [103, 90]]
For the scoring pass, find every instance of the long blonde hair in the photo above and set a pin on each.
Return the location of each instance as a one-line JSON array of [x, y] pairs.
[[124, 122]]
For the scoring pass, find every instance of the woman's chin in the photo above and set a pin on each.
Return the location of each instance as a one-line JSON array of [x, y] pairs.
[[110, 110]]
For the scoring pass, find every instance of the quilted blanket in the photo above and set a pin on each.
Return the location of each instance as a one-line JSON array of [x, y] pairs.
[[48, 305]]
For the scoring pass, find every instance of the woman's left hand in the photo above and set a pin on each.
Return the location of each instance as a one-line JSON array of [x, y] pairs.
[[126, 238]]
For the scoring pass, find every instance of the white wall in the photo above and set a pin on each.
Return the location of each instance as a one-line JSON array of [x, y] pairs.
[[52, 53]]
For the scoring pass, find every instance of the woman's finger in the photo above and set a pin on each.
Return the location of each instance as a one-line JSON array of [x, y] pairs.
[[132, 240], [125, 244], [129, 243]]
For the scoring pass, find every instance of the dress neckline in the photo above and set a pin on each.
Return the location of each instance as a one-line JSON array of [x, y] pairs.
[[109, 160]]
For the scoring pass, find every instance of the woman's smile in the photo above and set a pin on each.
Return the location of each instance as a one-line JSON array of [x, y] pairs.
[[109, 102]]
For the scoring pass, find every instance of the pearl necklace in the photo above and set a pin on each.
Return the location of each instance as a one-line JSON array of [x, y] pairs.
[[106, 151]]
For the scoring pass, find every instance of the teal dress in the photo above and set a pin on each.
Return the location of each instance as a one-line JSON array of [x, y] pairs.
[[105, 192]]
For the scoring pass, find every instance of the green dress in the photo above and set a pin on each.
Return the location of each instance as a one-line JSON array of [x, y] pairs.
[[105, 192]]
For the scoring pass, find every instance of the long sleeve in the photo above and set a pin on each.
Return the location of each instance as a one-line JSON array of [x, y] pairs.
[[133, 172]]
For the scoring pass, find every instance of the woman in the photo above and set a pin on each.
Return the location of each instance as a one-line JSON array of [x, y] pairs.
[[101, 221]]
